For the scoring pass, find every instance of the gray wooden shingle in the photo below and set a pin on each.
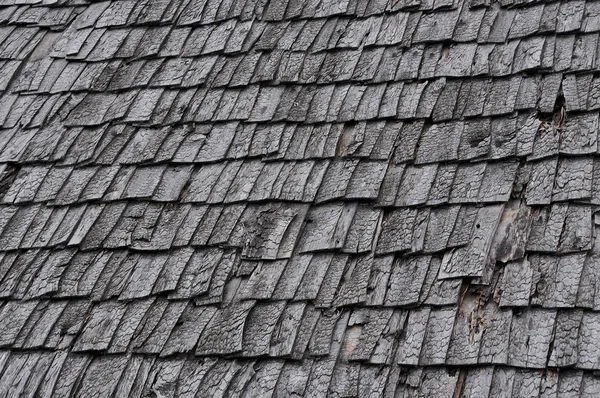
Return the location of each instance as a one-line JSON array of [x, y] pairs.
[[101, 326], [547, 228], [416, 184], [409, 347], [531, 334]]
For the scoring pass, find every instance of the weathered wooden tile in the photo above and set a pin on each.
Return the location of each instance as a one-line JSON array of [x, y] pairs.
[[437, 337], [587, 341], [472, 260], [577, 231], [431, 148], [541, 182], [564, 350], [573, 179], [511, 236], [579, 134], [530, 336], [224, 333], [353, 287], [475, 140], [327, 227], [467, 182], [336, 179], [406, 280], [266, 234], [569, 16], [456, 61], [100, 327], [527, 21], [26, 184], [547, 227], [498, 180], [362, 231], [409, 347], [430, 28], [416, 184]]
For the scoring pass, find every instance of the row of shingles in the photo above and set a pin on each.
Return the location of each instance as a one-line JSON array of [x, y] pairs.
[[152, 94], [28, 184], [189, 378], [145, 95], [190, 13], [300, 35], [373, 223], [142, 375], [216, 143], [216, 10], [437, 335], [501, 23], [519, 135], [472, 239], [54, 17], [304, 35], [378, 64], [101, 274], [439, 99], [254, 180], [528, 338], [314, 36], [192, 378], [376, 92], [323, 332], [261, 232]]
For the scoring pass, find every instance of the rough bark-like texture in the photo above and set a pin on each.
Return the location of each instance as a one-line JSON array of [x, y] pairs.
[[252, 198]]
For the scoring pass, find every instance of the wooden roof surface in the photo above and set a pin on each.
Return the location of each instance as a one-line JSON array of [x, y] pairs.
[[254, 198]]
